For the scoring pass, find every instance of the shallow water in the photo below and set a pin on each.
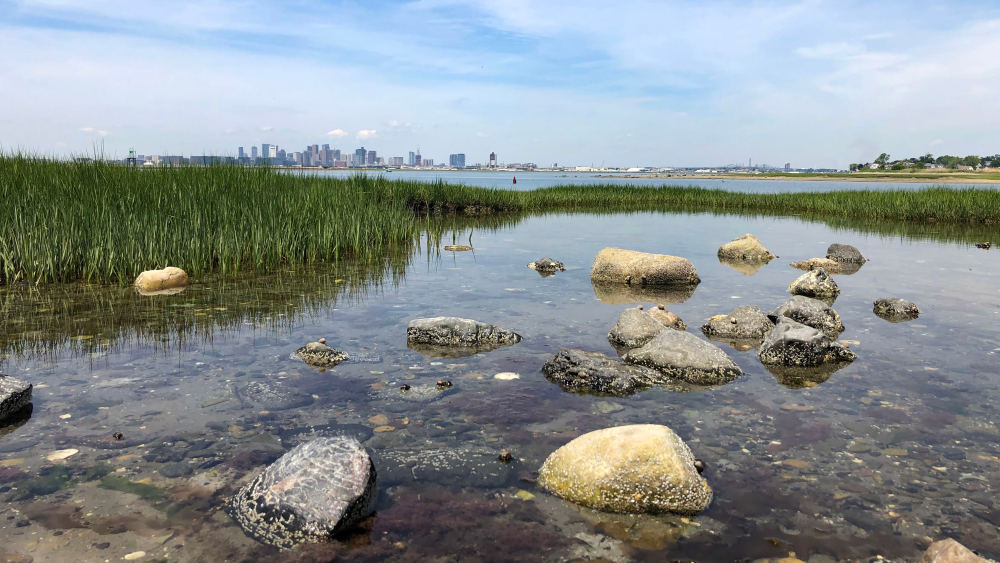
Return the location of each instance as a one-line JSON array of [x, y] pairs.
[[535, 180], [899, 448]]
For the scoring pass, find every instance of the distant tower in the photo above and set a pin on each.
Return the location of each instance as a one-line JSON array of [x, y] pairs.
[[493, 160], [130, 161]]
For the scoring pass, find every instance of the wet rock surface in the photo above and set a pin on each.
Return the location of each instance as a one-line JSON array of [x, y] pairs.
[[320, 355], [747, 322], [642, 468], [634, 329], [950, 551], [292, 437], [456, 337], [597, 374], [158, 280], [14, 396], [817, 284], [810, 312], [272, 396], [463, 466], [832, 267], [745, 248], [845, 253], [895, 310], [685, 357], [312, 493], [547, 266], [641, 268], [795, 344], [668, 319]]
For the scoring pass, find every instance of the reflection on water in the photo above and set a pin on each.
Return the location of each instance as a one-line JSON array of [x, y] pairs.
[[876, 458]]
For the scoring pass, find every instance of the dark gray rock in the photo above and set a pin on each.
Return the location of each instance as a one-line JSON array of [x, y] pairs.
[[810, 312], [14, 395], [634, 329], [745, 323], [795, 344], [845, 253], [175, 470], [547, 266], [272, 396], [895, 310], [455, 337], [462, 466], [594, 373], [312, 493], [817, 284], [320, 355], [685, 357]]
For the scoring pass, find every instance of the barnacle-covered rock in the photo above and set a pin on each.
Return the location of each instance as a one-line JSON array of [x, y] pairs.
[[795, 344], [642, 268], [746, 247], [14, 395], [643, 468], [895, 310], [745, 323], [810, 312], [455, 337], [685, 357], [816, 284], [633, 329], [547, 266], [320, 355], [845, 253]]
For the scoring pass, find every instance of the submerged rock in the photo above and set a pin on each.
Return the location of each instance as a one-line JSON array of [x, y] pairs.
[[633, 329], [668, 319], [644, 468], [455, 337], [320, 355], [547, 266], [810, 312], [895, 310], [950, 551], [597, 374], [641, 268], [684, 356], [746, 247], [845, 253], [310, 494], [816, 283], [457, 248], [795, 344], [745, 323], [272, 396], [460, 466], [158, 280], [14, 396]]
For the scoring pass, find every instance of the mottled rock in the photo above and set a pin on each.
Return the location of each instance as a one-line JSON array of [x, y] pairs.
[[895, 310], [310, 494], [597, 374], [795, 344], [644, 468], [668, 319], [747, 322], [457, 247], [175, 469], [622, 294], [547, 266], [14, 395], [460, 466], [272, 396], [642, 268], [832, 267], [746, 247], [157, 280], [633, 329], [810, 312], [684, 356], [817, 284], [950, 551], [455, 337], [845, 253], [292, 437], [320, 355]]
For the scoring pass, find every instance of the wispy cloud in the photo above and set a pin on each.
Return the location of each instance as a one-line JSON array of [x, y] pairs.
[[266, 128], [365, 134], [86, 129], [337, 133]]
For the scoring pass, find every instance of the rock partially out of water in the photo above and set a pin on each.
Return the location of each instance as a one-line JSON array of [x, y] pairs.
[[685, 357], [895, 310], [746, 247], [798, 345], [272, 396], [950, 551], [845, 253], [462, 466], [817, 284], [14, 421], [455, 337], [597, 374], [547, 266], [747, 322], [629, 267], [634, 329], [644, 468], [810, 312], [832, 267], [14, 396], [312, 493], [157, 280], [320, 355]]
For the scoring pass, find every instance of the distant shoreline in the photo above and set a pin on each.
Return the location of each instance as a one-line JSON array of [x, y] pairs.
[[824, 178]]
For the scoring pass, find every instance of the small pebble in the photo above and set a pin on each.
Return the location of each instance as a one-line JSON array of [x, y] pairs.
[[444, 383], [699, 465], [660, 306], [322, 341], [404, 388], [118, 435], [640, 307], [505, 456]]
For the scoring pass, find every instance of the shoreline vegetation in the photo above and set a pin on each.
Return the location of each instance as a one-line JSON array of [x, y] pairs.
[[101, 222]]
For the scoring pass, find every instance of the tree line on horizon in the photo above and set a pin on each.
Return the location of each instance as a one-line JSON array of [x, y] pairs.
[[883, 162]]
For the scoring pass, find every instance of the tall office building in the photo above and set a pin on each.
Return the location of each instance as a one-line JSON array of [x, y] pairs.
[[327, 147], [268, 151], [456, 161], [788, 167], [372, 157], [412, 161], [417, 158], [253, 152], [336, 154], [241, 153], [359, 157]]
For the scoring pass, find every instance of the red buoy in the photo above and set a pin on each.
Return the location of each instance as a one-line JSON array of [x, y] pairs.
[[515, 179]]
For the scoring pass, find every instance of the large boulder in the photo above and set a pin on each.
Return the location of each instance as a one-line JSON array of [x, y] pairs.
[[845, 253], [159, 280], [817, 284], [685, 357], [795, 344], [810, 312], [644, 468], [14, 396], [670, 320], [310, 494], [642, 268], [745, 323], [455, 337], [633, 329], [320, 355], [950, 551], [596, 374], [746, 247], [895, 310]]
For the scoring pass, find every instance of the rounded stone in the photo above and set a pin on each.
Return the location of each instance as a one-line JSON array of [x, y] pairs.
[[744, 323], [685, 357], [157, 280], [634, 329], [320, 355], [845, 253], [816, 284], [643, 468], [895, 310], [642, 268], [746, 247]]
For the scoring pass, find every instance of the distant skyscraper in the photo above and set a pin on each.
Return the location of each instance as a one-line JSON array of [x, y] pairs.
[[327, 147], [412, 161], [372, 157], [359, 157], [336, 154], [268, 151], [788, 167], [253, 152], [456, 160], [428, 162], [417, 158], [241, 153]]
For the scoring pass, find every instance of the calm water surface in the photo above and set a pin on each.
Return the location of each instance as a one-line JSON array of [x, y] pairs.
[[897, 449]]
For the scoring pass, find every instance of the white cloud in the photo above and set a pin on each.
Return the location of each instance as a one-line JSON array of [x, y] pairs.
[[103, 133], [86, 129], [337, 133], [366, 134]]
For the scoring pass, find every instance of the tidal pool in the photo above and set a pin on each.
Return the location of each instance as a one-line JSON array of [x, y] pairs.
[[900, 448]]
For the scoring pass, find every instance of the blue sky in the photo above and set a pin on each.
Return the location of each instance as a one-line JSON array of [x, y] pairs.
[[625, 83]]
